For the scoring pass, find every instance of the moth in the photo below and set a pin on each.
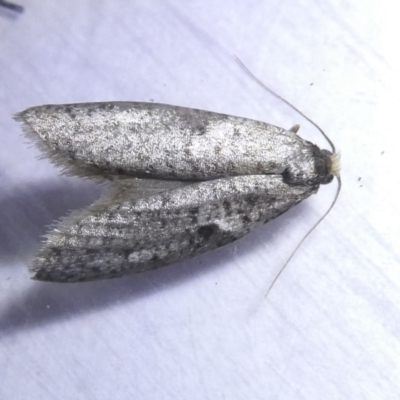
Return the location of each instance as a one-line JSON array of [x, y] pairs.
[[185, 181]]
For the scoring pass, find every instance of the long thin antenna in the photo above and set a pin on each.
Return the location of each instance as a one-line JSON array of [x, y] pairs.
[[335, 157], [240, 62], [307, 235]]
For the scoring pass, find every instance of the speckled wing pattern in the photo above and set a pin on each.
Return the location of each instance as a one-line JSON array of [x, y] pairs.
[[185, 182]]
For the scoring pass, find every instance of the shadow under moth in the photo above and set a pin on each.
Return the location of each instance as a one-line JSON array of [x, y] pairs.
[[185, 181]]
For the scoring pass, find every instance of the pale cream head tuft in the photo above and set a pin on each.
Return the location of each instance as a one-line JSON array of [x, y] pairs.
[[335, 164]]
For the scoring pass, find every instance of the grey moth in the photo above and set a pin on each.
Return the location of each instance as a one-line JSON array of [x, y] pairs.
[[185, 181]]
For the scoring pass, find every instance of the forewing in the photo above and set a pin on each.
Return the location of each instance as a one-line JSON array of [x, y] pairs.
[[157, 141], [123, 234]]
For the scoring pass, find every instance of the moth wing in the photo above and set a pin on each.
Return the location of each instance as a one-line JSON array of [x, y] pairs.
[[156, 141], [133, 189], [122, 233]]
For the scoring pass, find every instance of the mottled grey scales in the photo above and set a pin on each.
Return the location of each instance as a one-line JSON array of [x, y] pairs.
[[134, 236], [186, 181], [160, 141]]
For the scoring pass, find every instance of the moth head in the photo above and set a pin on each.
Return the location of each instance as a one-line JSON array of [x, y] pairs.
[[326, 167], [314, 167]]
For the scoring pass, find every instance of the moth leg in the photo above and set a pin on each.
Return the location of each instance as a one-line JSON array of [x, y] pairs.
[[294, 128]]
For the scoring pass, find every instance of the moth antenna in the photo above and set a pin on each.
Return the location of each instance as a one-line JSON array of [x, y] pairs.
[[334, 170], [240, 62], [11, 6], [308, 234]]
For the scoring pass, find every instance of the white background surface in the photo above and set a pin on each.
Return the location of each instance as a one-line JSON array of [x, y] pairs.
[[201, 329]]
